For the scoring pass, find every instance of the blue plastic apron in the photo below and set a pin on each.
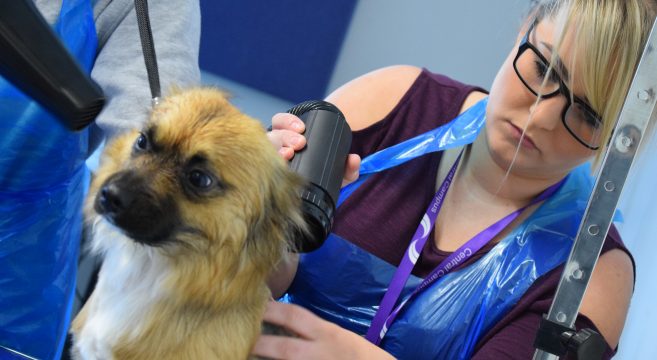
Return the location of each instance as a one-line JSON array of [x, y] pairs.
[[43, 180], [344, 284]]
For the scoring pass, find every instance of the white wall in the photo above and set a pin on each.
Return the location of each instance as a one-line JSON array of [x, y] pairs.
[[639, 206], [467, 40]]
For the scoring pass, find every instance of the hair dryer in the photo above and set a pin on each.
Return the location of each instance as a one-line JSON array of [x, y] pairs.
[[36, 61], [321, 163]]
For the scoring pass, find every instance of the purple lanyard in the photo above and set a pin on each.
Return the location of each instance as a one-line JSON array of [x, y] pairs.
[[385, 315]]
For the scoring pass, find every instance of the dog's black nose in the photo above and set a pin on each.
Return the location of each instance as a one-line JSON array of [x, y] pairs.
[[113, 200]]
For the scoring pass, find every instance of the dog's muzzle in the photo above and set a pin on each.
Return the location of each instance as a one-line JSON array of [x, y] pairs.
[[128, 202]]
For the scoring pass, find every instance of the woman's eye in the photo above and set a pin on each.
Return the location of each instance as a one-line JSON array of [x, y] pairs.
[[542, 70], [142, 142], [199, 179], [592, 120]]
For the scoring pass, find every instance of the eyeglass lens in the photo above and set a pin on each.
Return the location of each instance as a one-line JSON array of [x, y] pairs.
[[539, 79]]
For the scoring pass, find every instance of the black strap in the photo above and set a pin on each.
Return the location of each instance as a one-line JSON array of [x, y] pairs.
[[146, 35]]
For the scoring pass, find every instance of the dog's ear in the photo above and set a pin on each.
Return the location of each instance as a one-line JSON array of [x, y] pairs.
[[281, 221]]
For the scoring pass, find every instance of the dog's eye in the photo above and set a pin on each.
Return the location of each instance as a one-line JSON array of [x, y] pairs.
[[199, 179], [141, 143]]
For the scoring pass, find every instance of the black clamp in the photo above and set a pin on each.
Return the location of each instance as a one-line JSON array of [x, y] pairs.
[[557, 339]]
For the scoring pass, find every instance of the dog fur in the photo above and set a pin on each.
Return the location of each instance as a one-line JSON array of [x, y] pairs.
[[185, 262]]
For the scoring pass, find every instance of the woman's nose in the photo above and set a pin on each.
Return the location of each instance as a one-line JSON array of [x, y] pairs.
[[546, 113]]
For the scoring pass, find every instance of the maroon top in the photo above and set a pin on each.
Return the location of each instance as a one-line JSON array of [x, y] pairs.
[[383, 213]]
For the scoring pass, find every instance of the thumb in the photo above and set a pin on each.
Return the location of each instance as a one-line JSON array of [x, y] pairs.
[[352, 167]]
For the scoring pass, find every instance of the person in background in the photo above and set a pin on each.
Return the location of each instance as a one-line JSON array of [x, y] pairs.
[[43, 177], [510, 201]]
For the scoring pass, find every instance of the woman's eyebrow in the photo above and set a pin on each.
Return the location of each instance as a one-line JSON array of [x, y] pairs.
[[561, 68]]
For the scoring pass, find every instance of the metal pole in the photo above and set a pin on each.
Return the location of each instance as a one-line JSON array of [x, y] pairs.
[[637, 111]]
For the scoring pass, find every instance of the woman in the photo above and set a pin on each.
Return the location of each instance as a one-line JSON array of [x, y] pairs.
[[550, 109]]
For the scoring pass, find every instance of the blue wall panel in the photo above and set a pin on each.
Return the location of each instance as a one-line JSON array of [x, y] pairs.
[[285, 48]]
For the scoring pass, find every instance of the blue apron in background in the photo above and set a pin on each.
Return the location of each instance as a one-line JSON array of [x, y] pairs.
[[43, 180], [344, 284]]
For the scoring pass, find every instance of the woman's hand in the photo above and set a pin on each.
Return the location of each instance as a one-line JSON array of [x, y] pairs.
[[287, 138], [318, 339]]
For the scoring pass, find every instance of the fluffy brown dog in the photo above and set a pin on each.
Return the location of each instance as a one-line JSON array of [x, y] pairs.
[[190, 215]]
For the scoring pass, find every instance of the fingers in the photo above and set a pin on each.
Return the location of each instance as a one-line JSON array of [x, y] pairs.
[[294, 318], [286, 152], [280, 347], [351, 169], [286, 138], [286, 142], [320, 339], [285, 121], [286, 134]]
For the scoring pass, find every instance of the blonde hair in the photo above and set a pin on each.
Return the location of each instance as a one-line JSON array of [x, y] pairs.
[[609, 36]]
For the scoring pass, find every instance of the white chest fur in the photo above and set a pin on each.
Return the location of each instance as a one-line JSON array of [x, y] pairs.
[[129, 283]]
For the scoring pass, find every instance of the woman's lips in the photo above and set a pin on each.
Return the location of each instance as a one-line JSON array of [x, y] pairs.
[[516, 134]]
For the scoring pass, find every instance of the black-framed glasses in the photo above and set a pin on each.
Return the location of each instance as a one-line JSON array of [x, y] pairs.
[[533, 70]]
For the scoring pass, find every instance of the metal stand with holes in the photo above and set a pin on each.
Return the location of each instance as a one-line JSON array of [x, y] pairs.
[[556, 335]]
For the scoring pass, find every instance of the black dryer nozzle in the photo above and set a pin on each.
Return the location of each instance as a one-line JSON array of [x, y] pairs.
[[34, 59]]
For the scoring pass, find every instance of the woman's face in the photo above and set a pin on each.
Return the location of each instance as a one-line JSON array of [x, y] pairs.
[[548, 149]]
